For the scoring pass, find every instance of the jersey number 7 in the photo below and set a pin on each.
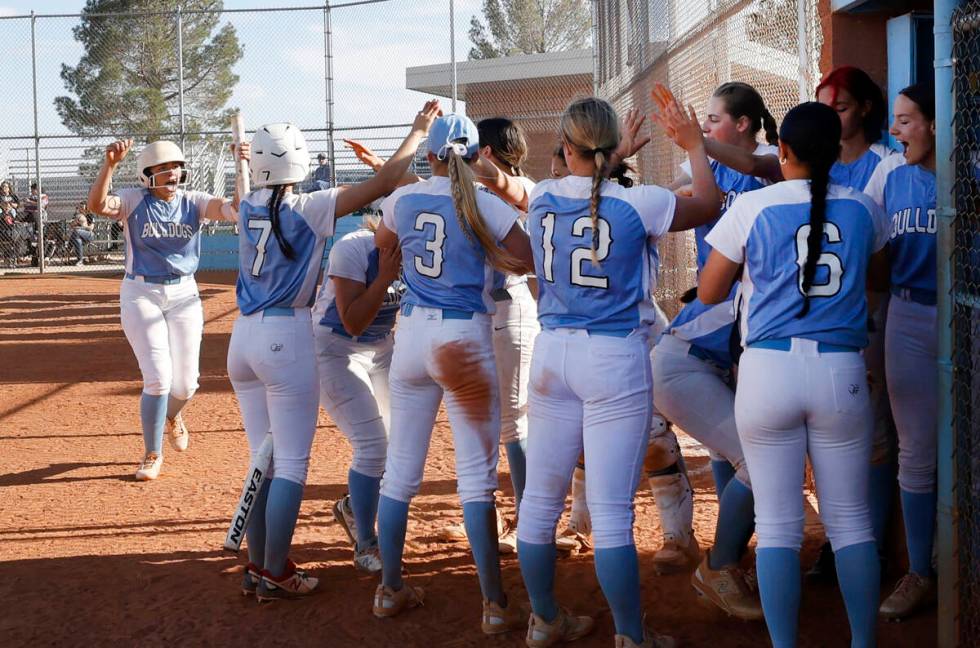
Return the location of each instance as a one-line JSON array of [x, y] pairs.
[[265, 229], [579, 254]]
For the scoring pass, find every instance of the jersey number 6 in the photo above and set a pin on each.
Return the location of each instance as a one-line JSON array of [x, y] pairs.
[[829, 260], [433, 246], [579, 254]]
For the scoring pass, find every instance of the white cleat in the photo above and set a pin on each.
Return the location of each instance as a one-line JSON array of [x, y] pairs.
[[179, 436], [150, 468]]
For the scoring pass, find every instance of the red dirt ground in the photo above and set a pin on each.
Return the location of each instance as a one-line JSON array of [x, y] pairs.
[[90, 557]]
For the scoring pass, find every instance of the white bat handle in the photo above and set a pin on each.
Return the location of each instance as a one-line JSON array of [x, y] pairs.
[[241, 166]]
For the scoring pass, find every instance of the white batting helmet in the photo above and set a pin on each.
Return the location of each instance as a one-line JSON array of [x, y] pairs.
[[155, 153], [279, 155]]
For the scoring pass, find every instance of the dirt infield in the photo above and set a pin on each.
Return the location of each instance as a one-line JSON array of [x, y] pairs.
[[90, 557]]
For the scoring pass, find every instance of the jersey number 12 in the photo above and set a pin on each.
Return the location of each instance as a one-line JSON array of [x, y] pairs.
[[579, 254], [829, 260]]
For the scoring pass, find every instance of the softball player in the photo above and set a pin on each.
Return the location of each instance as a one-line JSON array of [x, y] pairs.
[[906, 188], [595, 309], [450, 234], [861, 107], [802, 390], [159, 303], [271, 360], [693, 357], [357, 306]]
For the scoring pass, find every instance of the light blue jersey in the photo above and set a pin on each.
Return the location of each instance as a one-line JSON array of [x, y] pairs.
[[443, 266], [857, 174], [907, 193], [266, 278], [573, 292], [767, 231], [732, 184], [163, 239], [356, 258]]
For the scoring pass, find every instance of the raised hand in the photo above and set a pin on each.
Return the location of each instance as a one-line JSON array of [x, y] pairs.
[[631, 140], [680, 126], [115, 152], [241, 152], [364, 154], [429, 113]]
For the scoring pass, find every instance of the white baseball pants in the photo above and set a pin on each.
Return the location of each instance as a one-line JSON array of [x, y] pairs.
[[272, 367], [436, 358], [588, 393], [164, 325], [354, 391], [790, 404], [515, 325]]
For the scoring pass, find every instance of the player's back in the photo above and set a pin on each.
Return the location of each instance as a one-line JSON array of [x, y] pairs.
[[266, 276], [575, 292], [771, 227], [444, 266]]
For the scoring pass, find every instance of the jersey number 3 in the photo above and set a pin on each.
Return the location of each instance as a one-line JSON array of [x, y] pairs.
[[580, 254], [829, 260], [265, 229], [433, 246]]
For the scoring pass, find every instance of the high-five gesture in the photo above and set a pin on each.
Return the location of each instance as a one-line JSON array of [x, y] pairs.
[[364, 154], [429, 113], [631, 139], [680, 126]]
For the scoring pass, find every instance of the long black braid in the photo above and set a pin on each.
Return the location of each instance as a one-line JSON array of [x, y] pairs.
[[812, 131], [275, 202]]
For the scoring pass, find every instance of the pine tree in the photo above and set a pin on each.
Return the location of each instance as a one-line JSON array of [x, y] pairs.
[[530, 27]]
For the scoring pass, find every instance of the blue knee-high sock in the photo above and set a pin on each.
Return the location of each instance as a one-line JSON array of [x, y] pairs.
[[538, 570], [736, 522], [880, 485], [255, 533], [392, 525], [919, 511], [174, 405], [517, 460], [779, 585], [480, 519], [722, 471], [153, 412], [364, 502], [619, 576], [281, 511], [859, 578]]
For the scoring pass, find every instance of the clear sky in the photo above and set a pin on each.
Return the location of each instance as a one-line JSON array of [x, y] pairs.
[[281, 72]]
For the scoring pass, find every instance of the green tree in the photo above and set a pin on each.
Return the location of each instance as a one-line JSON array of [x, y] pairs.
[[128, 79], [530, 27]]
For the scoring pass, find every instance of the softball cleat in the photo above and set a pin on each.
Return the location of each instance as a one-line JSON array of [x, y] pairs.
[[150, 468], [344, 515], [728, 589], [294, 583], [565, 627], [250, 581], [911, 593], [368, 559], [674, 557], [389, 602], [179, 436], [498, 620], [651, 639]]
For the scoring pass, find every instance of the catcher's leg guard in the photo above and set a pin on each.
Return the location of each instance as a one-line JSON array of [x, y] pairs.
[[674, 498]]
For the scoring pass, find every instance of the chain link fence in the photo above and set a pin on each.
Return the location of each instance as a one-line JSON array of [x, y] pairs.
[[693, 46], [74, 83], [966, 317]]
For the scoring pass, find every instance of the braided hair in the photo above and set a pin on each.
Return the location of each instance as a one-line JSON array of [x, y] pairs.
[[812, 131], [275, 202]]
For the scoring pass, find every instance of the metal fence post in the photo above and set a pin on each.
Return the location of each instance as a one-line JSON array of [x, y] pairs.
[[801, 44], [595, 47], [180, 73], [39, 217], [452, 50], [945, 215], [328, 82]]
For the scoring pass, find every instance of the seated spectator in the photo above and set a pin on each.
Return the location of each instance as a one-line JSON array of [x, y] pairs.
[[321, 174], [33, 202], [82, 232], [9, 203]]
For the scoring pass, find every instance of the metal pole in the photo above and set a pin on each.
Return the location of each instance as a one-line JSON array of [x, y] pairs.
[[801, 43], [180, 73], [452, 50], [945, 215], [39, 221], [328, 81], [595, 48]]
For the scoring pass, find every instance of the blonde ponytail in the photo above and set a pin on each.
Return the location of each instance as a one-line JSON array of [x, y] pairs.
[[470, 221], [598, 173]]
